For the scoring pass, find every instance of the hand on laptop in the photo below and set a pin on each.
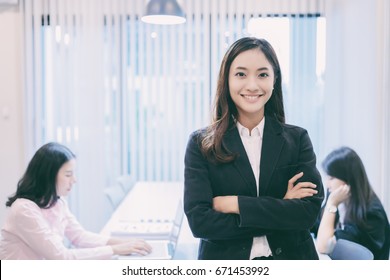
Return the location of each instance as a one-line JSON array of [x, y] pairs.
[[130, 246]]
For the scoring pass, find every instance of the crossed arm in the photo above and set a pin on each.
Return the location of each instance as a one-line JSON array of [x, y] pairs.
[[229, 204]]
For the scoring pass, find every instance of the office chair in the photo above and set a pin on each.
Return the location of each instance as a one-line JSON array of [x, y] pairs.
[[114, 194], [348, 250], [127, 182]]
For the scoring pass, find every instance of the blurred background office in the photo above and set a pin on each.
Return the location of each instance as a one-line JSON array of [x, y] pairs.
[[124, 95]]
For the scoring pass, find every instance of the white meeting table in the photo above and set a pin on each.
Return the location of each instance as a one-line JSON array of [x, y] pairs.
[[158, 201], [155, 201]]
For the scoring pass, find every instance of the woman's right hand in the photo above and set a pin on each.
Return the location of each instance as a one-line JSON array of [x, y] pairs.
[[300, 190], [136, 246], [339, 195]]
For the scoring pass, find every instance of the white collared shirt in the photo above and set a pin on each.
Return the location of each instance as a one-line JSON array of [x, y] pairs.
[[253, 142]]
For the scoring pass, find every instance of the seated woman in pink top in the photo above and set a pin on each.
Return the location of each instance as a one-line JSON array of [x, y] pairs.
[[39, 219]]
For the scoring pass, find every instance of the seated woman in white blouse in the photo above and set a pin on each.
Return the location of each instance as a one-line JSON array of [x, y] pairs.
[[39, 220]]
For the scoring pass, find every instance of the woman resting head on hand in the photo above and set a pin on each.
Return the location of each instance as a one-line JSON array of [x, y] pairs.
[[352, 210]]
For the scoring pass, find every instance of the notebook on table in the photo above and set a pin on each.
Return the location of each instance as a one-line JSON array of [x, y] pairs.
[[162, 248]]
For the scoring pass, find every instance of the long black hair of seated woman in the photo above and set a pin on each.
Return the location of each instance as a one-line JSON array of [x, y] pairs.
[[346, 165], [38, 183]]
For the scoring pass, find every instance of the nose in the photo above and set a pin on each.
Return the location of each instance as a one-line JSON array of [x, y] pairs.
[[252, 85], [74, 180]]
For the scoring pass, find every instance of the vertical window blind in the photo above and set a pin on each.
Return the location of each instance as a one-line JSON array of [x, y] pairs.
[[125, 95]]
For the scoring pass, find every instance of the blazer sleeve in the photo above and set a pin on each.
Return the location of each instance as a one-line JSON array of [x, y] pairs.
[[375, 235], [198, 199], [273, 213]]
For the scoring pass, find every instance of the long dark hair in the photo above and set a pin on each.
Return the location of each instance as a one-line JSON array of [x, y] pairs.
[[346, 165], [39, 181], [224, 107]]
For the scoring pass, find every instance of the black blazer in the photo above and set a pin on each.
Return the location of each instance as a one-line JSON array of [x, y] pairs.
[[286, 150], [376, 237]]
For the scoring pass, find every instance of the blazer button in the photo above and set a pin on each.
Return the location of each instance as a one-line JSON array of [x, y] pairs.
[[278, 251]]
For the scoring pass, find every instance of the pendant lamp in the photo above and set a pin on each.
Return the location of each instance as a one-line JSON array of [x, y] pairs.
[[163, 12]]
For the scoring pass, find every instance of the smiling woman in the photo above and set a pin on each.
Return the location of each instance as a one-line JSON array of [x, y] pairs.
[[39, 219], [252, 189]]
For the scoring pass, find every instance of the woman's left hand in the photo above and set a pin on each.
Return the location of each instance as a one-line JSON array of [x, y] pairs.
[[226, 204], [300, 190]]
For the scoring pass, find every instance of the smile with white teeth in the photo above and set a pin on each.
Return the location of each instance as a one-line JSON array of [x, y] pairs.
[[251, 97]]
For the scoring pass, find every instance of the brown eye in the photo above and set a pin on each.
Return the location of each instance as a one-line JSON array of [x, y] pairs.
[[263, 75]]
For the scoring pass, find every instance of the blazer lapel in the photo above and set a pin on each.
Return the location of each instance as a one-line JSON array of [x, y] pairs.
[[272, 145], [233, 143]]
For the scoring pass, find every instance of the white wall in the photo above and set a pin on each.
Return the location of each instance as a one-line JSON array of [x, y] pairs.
[[11, 131]]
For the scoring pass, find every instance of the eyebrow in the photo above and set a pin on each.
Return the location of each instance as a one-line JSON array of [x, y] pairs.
[[244, 68]]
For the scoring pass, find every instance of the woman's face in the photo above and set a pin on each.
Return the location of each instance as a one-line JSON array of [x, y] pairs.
[[333, 183], [66, 178], [251, 79]]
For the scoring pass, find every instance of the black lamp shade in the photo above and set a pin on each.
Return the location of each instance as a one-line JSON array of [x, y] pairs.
[[163, 12]]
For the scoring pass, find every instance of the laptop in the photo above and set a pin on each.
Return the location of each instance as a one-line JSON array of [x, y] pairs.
[[164, 248]]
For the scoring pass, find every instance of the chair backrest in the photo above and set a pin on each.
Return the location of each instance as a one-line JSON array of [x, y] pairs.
[[127, 182], [348, 250], [115, 194]]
